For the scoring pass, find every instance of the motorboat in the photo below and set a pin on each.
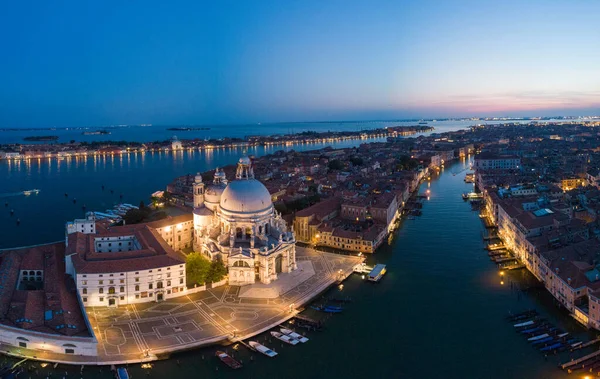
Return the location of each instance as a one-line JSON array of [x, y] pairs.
[[228, 360], [294, 335], [285, 338], [262, 349]]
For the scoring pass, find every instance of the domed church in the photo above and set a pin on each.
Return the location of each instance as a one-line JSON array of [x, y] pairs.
[[236, 222]]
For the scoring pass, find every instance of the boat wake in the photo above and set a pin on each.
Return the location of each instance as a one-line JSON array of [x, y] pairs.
[[26, 193]]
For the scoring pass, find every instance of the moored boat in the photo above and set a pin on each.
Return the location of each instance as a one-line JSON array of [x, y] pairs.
[[228, 360], [122, 373], [262, 349], [294, 335], [285, 338], [539, 337], [522, 324]]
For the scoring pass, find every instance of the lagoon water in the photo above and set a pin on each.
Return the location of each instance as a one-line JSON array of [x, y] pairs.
[[160, 132], [439, 312]]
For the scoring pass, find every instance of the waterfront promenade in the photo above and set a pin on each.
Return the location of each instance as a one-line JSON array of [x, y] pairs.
[[150, 331]]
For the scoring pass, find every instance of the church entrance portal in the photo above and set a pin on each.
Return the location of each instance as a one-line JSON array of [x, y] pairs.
[[278, 264], [159, 297]]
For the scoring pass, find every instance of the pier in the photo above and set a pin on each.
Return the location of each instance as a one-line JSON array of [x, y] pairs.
[[579, 360]]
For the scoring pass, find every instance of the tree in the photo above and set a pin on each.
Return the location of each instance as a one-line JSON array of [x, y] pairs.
[[335, 165], [155, 200], [134, 216], [197, 268], [167, 197], [217, 271], [356, 161]]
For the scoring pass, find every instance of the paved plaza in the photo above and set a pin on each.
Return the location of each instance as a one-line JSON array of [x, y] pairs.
[[144, 331]]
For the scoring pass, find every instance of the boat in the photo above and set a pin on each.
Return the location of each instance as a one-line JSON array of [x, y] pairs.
[[262, 349], [228, 360], [325, 309], [285, 338], [552, 347], [543, 340], [538, 337], [122, 373], [294, 335], [522, 324], [378, 272]]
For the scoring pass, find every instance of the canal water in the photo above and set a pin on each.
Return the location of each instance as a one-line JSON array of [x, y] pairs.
[[439, 312]]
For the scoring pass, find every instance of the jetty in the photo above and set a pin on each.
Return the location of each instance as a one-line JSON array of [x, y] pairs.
[[308, 319], [362, 268], [506, 259], [579, 360], [514, 266]]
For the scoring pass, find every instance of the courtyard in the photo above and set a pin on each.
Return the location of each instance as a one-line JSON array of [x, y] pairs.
[[140, 332]]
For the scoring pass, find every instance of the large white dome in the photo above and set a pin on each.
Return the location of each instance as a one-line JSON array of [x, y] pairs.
[[246, 196]]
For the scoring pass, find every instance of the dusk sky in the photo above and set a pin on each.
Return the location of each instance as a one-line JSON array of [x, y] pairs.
[[78, 63]]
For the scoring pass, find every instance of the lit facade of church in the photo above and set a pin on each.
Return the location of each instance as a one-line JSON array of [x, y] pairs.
[[236, 222]]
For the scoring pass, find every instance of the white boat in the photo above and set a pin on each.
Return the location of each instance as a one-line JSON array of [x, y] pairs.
[[284, 338], [538, 337], [576, 344], [294, 335], [262, 349], [562, 335], [526, 323]]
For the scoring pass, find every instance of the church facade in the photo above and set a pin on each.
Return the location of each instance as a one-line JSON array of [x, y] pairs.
[[236, 222]]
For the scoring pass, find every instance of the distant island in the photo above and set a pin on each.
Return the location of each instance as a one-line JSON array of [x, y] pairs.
[[41, 138], [183, 129], [96, 132]]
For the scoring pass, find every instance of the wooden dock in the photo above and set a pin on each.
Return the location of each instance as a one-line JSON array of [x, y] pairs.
[[248, 346], [579, 360], [590, 343], [497, 253], [307, 319], [507, 259], [515, 266], [495, 247]]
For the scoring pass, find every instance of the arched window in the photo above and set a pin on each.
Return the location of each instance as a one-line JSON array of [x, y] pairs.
[[260, 229], [101, 290], [248, 233], [137, 287], [39, 273], [241, 264], [31, 272], [159, 285], [111, 290], [238, 233]]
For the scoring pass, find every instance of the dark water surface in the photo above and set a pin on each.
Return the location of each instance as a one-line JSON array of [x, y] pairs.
[[438, 313]]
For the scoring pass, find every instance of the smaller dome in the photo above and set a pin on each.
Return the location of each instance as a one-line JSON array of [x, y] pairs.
[[245, 161], [198, 178]]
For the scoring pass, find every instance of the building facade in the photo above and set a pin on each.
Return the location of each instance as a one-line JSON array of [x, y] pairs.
[[243, 230]]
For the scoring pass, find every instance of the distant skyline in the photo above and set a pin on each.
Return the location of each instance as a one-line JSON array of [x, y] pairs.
[[73, 63]]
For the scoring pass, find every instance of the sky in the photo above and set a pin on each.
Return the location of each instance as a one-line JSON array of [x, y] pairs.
[[81, 63]]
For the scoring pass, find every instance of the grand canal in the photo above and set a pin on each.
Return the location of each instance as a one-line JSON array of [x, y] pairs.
[[439, 312]]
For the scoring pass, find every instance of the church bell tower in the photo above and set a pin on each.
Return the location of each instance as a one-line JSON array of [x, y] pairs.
[[198, 191]]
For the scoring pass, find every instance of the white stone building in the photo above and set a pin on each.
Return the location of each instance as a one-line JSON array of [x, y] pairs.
[[236, 222]]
